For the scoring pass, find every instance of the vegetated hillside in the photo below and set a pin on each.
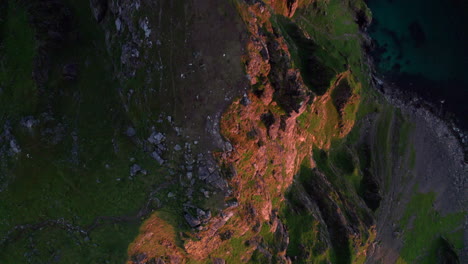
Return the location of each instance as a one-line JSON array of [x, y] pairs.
[[215, 132]]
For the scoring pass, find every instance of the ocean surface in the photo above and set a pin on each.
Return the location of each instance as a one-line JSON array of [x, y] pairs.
[[422, 46]]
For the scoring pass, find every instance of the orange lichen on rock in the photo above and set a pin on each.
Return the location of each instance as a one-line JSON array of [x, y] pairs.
[[262, 129], [287, 8], [269, 142], [332, 115], [157, 240], [272, 129]]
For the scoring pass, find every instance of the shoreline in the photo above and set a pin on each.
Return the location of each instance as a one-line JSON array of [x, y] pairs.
[[411, 102], [451, 137], [414, 103]]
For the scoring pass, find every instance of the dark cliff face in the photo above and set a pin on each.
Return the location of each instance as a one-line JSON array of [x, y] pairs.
[[213, 132]]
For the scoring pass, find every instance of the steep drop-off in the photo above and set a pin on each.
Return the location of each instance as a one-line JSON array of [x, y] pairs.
[[206, 131]]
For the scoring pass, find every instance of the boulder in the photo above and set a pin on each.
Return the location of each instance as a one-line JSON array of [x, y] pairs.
[[14, 146], [245, 101], [156, 138], [131, 132], [203, 172], [158, 158], [29, 122], [192, 221], [134, 169]]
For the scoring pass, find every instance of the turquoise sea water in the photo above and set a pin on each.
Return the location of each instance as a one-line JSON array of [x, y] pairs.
[[422, 46]]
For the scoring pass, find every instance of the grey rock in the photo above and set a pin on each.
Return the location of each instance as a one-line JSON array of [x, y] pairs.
[[118, 24], [219, 261], [192, 221], [200, 213], [156, 138], [144, 24], [14, 146], [158, 158], [129, 54], [213, 177], [171, 195], [131, 132], [228, 146], [203, 172], [211, 165], [177, 147], [232, 203], [203, 215], [281, 236], [29, 122], [245, 101], [139, 258], [222, 185], [134, 169]]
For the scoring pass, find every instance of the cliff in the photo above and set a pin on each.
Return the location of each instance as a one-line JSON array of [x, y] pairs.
[[208, 131]]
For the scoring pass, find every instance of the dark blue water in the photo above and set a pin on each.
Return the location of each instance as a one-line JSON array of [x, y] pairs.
[[422, 46]]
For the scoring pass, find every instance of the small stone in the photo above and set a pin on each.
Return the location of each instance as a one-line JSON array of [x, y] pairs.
[[28, 122], [156, 138], [203, 173], [245, 101], [228, 146], [158, 158], [200, 212], [134, 169], [131, 132], [189, 175], [177, 147], [232, 203], [171, 195], [14, 146], [118, 24]]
